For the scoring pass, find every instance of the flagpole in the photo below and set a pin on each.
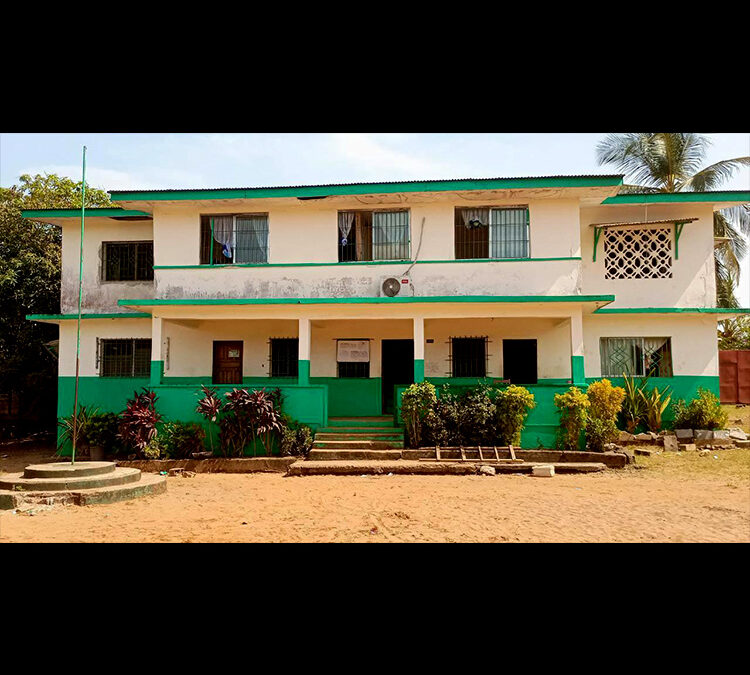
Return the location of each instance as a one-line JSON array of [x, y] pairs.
[[78, 324]]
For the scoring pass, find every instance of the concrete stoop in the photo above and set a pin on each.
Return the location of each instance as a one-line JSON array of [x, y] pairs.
[[416, 467], [359, 434], [82, 483]]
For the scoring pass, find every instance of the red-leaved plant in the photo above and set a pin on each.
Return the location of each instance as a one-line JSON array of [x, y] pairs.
[[209, 408], [138, 426]]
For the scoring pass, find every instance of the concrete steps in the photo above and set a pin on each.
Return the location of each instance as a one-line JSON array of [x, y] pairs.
[[359, 434], [346, 443], [80, 483], [377, 421]]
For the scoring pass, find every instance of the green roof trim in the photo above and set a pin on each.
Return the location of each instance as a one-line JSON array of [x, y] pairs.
[[366, 301], [69, 317], [76, 213], [341, 189], [672, 310], [680, 197]]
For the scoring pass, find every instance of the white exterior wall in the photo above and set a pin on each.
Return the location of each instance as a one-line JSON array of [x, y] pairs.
[[694, 350], [693, 282], [98, 296]]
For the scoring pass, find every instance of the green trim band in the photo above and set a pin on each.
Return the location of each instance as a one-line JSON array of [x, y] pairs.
[[370, 188], [680, 197], [367, 301], [364, 263], [76, 213], [577, 370], [303, 372], [157, 372], [419, 370], [73, 317], [672, 310]]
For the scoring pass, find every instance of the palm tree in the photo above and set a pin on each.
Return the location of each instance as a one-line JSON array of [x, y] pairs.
[[672, 163]]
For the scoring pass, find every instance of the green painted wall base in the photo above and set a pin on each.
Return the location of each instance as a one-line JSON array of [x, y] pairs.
[[157, 372], [303, 371], [577, 371], [419, 370], [352, 396]]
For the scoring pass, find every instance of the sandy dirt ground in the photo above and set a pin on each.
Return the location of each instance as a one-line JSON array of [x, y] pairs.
[[677, 502]]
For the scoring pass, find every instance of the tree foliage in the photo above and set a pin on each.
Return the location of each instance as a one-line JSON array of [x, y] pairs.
[[30, 284], [672, 163]]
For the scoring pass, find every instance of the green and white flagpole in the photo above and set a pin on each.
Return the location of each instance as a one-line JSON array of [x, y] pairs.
[[78, 325]]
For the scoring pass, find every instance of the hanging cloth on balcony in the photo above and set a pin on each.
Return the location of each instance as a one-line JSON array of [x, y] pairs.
[[223, 227], [346, 220]]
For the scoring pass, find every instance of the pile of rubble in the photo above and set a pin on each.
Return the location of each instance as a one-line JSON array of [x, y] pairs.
[[681, 440]]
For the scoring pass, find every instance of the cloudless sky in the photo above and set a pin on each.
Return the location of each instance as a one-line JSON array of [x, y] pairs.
[[149, 161]]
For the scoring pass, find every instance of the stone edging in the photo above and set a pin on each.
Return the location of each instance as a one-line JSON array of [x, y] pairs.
[[214, 465]]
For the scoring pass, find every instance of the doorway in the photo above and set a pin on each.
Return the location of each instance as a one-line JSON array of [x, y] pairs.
[[227, 362], [520, 361], [396, 367]]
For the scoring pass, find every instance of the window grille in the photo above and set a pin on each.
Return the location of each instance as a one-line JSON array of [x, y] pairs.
[[639, 357], [128, 261], [354, 369], [284, 357], [125, 358], [468, 356], [373, 235], [234, 239], [501, 233], [638, 253]]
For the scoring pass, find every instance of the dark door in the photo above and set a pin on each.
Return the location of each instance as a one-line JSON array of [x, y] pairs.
[[397, 367], [227, 362], [519, 361]]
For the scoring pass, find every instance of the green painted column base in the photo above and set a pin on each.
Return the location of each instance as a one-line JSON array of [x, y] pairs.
[[157, 372], [419, 370], [577, 371], [303, 371]]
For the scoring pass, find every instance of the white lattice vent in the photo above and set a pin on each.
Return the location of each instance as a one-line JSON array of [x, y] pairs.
[[638, 253]]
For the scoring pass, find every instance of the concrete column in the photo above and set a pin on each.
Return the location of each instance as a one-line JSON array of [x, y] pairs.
[[303, 358], [418, 349], [577, 369], [157, 364]]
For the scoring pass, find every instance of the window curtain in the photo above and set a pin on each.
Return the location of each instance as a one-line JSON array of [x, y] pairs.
[[223, 233], [390, 235], [481, 215], [621, 355], [657, 356], [509, 233], [346, 220], [251, 239]]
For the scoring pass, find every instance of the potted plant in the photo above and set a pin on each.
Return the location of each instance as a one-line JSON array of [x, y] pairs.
[[100, 432]]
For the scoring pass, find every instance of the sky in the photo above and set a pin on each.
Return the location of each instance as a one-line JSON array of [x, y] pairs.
[[151, 161]]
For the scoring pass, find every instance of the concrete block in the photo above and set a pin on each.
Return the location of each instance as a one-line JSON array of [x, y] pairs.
[[625, 437], [645, 452], [703, 436], [544, 470], [687, 447], [684, 435], [671, 444], [721, 435], [737, 434], [742, 444], [643, 438]]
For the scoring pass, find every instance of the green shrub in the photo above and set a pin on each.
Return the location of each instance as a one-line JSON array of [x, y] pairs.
[[153, 449], [179, 440], [417, 401], [703, 412], [442, 424], [605, 402], [476, 417], [573, 406], [102, 430], [655, 403], [66, 425], [634, 405], [512, 406], [296, 440]]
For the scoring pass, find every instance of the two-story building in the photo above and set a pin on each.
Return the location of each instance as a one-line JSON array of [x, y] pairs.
[[342, 295]]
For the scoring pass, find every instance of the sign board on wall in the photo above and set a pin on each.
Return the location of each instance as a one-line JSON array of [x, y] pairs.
[[356, 351]]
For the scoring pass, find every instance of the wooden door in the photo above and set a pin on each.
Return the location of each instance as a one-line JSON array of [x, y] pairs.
[[227, 362]]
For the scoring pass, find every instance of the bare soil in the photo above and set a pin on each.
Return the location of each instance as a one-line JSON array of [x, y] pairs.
[[672, 498]]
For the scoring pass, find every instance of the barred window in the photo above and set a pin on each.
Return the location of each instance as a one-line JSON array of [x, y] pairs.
[[468, 356], [128, 261], [234, 239], [125, 358], [284, 357], [638, 253], [501, 233], [373, 235], [354, 369], [636, 356]]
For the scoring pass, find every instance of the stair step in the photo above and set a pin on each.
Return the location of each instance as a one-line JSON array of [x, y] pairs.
[[360, 430], [358, 445], [362, 436], [380, 421], [327, 455], [119, 476]]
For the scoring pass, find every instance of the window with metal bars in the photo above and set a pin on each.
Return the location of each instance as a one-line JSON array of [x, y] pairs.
[[354, 369], [494, 233], [373, 235], [636, 356], [125, 358], [284, 356], [128, 261], [468, 356], [234, 239]]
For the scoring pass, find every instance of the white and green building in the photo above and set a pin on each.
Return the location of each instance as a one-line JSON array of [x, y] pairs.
[[341, 295]]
